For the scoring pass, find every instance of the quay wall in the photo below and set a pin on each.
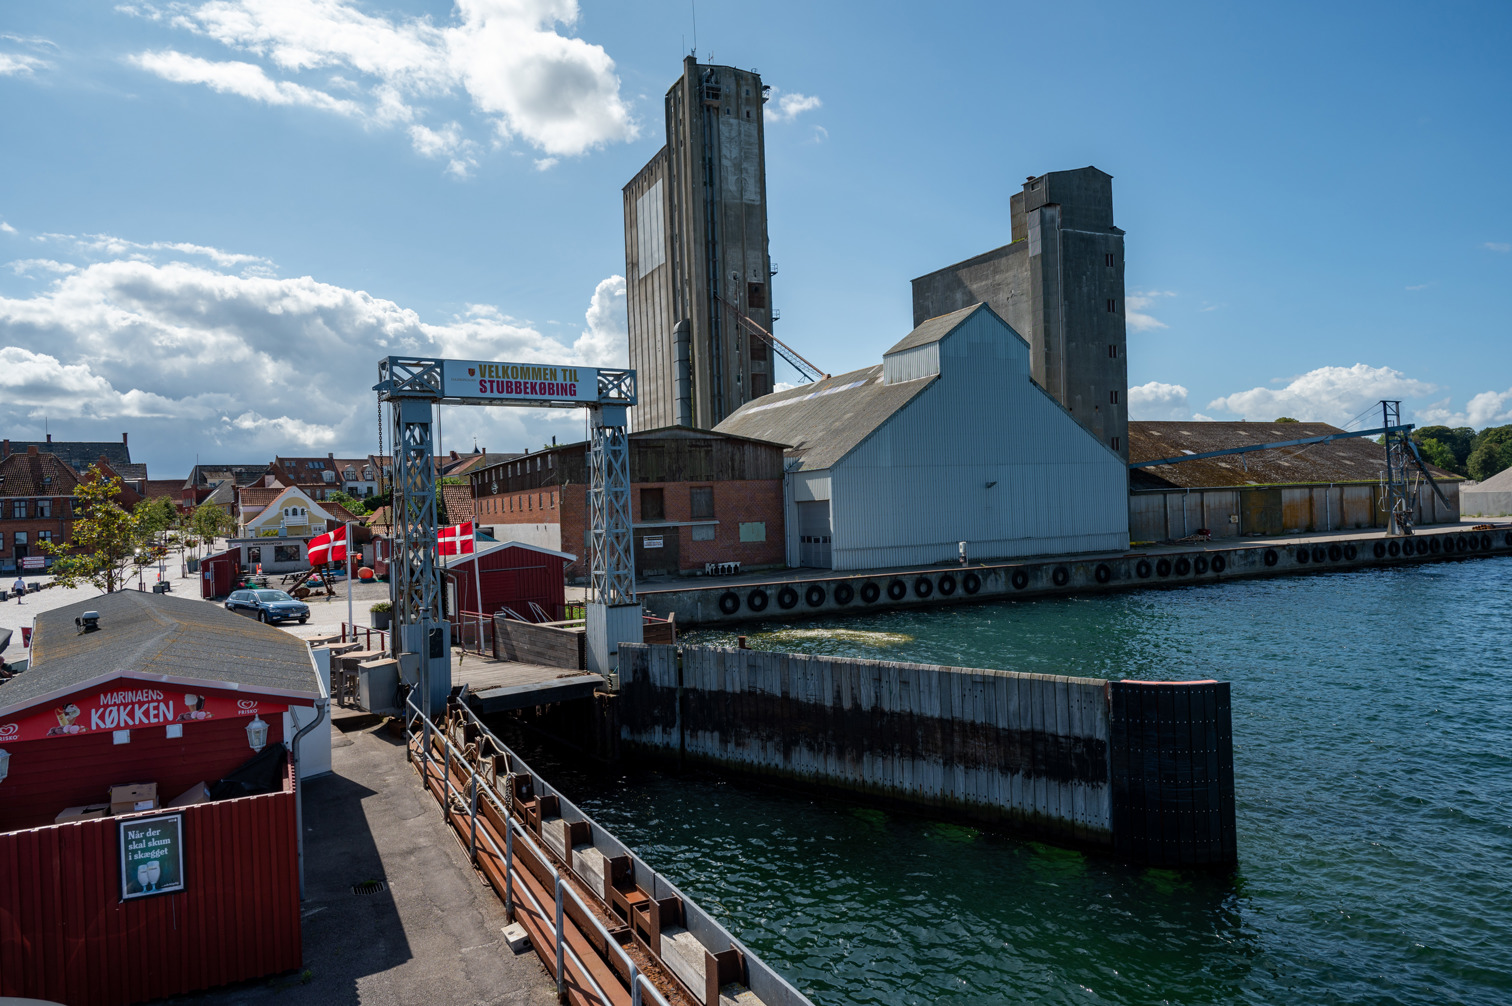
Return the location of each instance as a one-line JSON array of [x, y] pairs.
[[1141, 769], [823, 594]]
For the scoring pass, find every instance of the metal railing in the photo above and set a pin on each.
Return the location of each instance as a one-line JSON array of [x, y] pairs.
[[351, 632], [560, 948]]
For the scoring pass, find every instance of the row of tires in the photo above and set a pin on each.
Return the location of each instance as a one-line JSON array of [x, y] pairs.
[[816, 595]]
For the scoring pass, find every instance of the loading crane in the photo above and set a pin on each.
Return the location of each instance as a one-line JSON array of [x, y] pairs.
[[807, 370]]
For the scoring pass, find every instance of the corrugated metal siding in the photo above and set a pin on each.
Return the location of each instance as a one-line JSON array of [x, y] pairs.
[[809, 486], [65, 936], [911, 364], [918, 484]]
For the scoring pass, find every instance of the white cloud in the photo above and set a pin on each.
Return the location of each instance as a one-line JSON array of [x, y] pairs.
[[245, 79], [787, 107], [1135, 305], [1155, 400], [15, 64], [25, 266], [6, 228], [545, 163], [606, 340], [1329, 394], [1489, 408], [245, 366], [1497, 246], [504, 58], [110, 245]]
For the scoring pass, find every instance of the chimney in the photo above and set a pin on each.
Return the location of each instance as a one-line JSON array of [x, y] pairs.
[[330, 456], [123, 440], [5, 448], [32, 450]]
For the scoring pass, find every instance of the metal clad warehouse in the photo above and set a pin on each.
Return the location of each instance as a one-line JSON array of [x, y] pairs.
[[948, 440]]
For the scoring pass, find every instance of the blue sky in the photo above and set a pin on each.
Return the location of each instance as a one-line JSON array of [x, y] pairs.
[[218, 215]]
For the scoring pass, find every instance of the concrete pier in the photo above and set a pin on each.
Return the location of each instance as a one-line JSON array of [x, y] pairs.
[[1142, 769], [804, 593]]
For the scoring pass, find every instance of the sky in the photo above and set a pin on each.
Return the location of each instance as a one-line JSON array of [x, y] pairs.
[[216, 217]]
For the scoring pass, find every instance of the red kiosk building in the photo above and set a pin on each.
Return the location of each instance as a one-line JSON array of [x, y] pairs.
[[148, 800]]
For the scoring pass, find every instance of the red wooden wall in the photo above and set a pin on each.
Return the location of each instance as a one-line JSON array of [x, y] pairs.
[[51, 773], [513, 577], [65, 936]]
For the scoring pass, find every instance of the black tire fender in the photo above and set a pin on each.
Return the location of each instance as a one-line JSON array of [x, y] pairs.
[[1061, 576], [1380, 550], [1303, 555], [1103, 573], [1200, 565], [786, 598], [1020, 579], [1485, 542], [1143, 569], [1350, 552], [1219, 564], [947, 585], [923, 587], [870, 592], [1183, 566], [1319, 554], [1436, 544], [1422, 546], [1163, 567], [1393, 548], [814, 596], [971, 583], [844, 593], [729, 602], [1272, 557], [757, 600], [897, 590], [1335, 553]]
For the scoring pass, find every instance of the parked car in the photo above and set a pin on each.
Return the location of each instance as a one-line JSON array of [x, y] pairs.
[[268, 606]]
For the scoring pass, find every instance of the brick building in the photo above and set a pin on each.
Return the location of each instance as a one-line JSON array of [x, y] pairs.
[[695, 497]]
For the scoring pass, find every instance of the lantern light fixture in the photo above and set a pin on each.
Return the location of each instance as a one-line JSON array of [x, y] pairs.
[[257, 734], [4, 764]]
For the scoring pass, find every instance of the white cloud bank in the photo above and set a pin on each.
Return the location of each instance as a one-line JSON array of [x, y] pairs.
[[505, 58], [1328, 394], [787, 107], [1155, 400], [195, 360]]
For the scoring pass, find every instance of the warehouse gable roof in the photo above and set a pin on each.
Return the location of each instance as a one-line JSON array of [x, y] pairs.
[[1358, 459], [157, 637], [826, 420], [935, 329], [484, 547]]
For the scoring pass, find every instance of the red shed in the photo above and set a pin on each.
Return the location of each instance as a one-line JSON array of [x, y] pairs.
[[149, 876], [512, 574], [218, 573]]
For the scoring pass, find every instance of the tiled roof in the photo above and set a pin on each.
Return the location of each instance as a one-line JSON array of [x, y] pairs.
[[165, 487], [824, 421], [80, 454], [1358, 459], [339, 512], [259, 495], [459, 503], [24, 474], [157, 634], [382, 517]]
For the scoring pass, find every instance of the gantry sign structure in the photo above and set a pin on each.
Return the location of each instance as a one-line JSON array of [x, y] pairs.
[[413, 387]]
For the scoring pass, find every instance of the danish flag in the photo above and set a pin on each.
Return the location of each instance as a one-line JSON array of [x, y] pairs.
[[329, 547], [456, 539]]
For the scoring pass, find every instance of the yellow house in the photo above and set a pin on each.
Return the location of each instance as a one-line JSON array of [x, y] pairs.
[[293, 514]]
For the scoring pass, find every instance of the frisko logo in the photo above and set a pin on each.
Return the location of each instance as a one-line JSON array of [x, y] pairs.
[[9, 730], [247, 705]]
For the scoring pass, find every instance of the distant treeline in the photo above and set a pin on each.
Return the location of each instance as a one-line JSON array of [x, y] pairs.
[[1463, 451]]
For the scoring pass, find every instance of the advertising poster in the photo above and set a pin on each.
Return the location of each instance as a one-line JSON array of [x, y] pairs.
[[530, 382], [152, 855], [125, 705]]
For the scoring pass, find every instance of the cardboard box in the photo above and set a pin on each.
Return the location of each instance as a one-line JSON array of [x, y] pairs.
[[86, 813], [198, 793], [131, 796]]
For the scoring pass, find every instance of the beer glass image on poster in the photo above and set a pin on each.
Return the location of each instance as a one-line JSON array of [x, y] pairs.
[[152, 856]]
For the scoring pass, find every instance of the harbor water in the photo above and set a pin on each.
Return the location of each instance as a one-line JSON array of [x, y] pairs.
[[1372, 716]]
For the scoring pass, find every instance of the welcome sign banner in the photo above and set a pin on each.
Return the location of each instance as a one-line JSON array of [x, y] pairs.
[[526, 382]]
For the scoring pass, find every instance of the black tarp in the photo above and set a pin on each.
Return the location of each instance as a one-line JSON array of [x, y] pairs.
[[262, 773]]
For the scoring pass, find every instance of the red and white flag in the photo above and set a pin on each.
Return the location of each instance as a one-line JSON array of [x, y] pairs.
[[329, 547], [456, 539]]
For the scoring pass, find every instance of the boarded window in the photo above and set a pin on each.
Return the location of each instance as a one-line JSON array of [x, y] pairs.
[[756, 295], [254, 553], [753, 531], [704, 532], [650, 231], [701, 502], [285, 553], [651, 505]]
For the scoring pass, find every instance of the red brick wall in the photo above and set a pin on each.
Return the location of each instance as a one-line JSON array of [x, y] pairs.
[[59, 524], [735, 503]]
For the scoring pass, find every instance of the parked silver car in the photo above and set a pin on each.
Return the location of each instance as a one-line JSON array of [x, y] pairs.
[[268, 606]]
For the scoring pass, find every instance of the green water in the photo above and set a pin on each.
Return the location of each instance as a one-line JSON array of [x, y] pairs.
[[1373, 752]]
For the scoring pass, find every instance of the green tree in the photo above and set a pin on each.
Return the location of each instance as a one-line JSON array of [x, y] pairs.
[[103, 540], [1286, 419], [355, 504], [1492, 453], [1459, 439], [210, 521], [1440, 454]]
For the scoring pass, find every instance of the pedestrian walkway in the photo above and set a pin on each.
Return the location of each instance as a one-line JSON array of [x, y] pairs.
[[432, 935]]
